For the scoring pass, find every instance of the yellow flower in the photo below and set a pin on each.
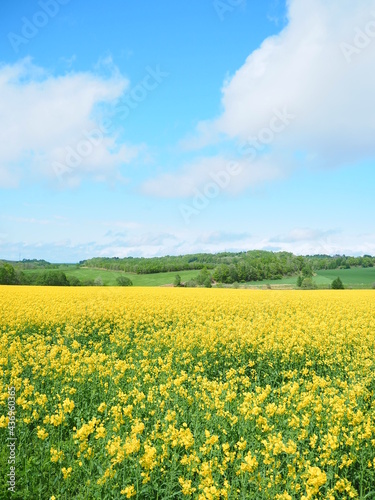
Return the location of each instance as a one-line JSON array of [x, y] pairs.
[[68, 405], [241, 445], [129, 491], [56, 455], [57, 419], [66, 472], [316, 479], [100, 432], [132, 445], [42, 433], [250, 463], [148, 460], [186, 486], [102, 407], [4, 421]]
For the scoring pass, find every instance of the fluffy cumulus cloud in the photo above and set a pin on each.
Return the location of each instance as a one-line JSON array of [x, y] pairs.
[[51, 127], [320, 68], [300, 100]]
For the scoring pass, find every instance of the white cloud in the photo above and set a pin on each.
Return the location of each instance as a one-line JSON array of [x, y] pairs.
[[121, 224], [304, 234], [222, 173], [64, 248], [304, 71], [48, 118], [222, 237]]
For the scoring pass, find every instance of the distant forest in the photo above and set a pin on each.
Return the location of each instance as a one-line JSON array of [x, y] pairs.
[[224, 267], [227, 267]]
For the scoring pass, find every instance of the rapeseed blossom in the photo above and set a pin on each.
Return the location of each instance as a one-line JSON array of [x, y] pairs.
[[208, 394]]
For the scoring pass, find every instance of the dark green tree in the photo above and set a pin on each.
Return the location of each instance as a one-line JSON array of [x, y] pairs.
[[177, 280], [74, 281], [337, 284], [124, 281], [308, 284], [208, 283], [307, 272], [203, 276], [88, 282], [52, 278], [7, 275]]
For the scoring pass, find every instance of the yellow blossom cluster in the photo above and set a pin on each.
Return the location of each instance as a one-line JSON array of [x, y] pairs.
[[177, 393]]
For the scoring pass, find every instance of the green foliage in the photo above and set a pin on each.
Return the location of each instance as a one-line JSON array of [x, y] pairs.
[[337, 284], [208, 283], [225, 267], [191, 283], [228, 267], [88, 282], [74, 281], [124, 281], [52, 278], [204, 277], [177, 280], [299, 281], [307, 271], [7, 275], [308, 284]]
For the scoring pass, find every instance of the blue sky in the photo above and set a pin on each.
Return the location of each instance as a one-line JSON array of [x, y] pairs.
[[150, 128]]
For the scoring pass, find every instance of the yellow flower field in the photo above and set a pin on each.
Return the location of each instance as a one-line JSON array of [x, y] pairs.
[[174, 393]]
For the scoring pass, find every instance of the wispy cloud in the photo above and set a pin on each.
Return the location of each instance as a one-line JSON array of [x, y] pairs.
[[57, 220], [304, 234], [158, 243], [215, 237], [187, 181]]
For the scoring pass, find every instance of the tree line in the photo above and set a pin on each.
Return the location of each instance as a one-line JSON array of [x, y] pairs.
[[11, 276], [229, 267], [223, 267]]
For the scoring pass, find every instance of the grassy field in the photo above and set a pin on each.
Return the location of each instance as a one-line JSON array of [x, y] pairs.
[[352, 278], [356, 277], [109, 277]]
